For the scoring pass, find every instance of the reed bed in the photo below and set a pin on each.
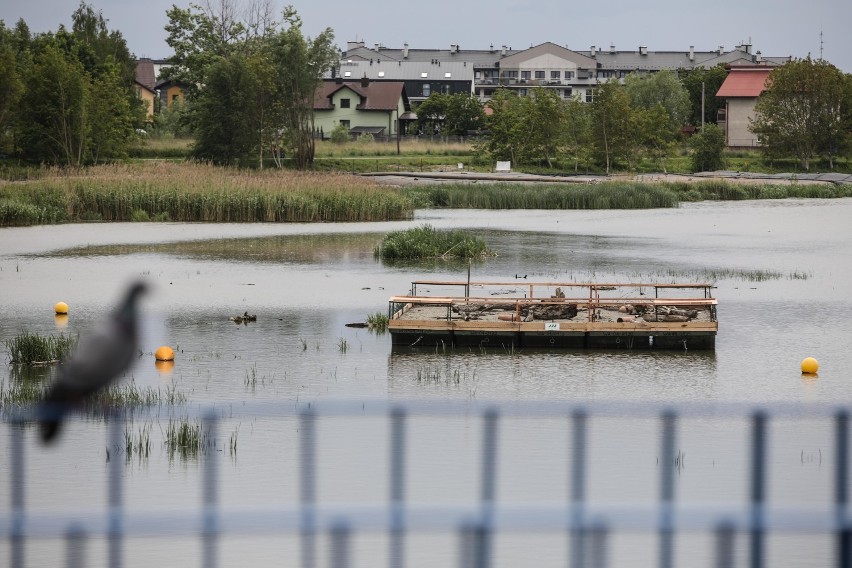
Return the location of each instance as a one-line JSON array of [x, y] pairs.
[[427, 242], [129, 395], [407, 148], [34, 349], [198, 192], [612, 195], [186, 439]]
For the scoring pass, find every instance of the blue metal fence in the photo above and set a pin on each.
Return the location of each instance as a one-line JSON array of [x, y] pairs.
[[587, 526]]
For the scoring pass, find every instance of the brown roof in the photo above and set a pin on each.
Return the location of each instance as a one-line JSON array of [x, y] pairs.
[[744, 82], [145, 73], [376, 95]]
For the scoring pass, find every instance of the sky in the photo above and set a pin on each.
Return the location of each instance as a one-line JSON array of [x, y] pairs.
[[775, 27]]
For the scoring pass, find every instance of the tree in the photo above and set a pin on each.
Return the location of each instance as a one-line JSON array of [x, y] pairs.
[[111, 118], [611, 125], [801, 112], [663, 88], [576, 135], [226, 120], [503, 126], [11, 85], [710, 80], [432, 112], [544, 123], [707, 147], [463, 114], [53, 119], [301, 63]]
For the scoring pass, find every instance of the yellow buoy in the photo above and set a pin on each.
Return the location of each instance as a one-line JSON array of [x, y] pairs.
[[810, 366], [165, 353], [61, 308]]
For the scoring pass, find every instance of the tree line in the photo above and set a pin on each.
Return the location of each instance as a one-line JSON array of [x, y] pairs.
[[68, 98]]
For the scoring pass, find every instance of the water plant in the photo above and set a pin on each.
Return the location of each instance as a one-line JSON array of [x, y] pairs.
[[138, 443], [35, 349], [186, 438], [377, 322], [342, 345], [428, 242]]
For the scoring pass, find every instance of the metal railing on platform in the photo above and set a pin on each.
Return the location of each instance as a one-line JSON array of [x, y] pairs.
[[587, 526]]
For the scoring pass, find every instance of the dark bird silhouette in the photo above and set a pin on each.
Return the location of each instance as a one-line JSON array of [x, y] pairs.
[[99, 359]]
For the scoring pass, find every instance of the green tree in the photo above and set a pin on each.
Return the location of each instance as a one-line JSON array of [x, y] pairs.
[[712, 80], [111, 117], [463, 114], [648, 90], [226, 121], [612, 122], [505, 139], [801, 112], [11, 84], [53, 120], [576, 135], [707, 147], [432, 112], [544, 124], [301, 62]]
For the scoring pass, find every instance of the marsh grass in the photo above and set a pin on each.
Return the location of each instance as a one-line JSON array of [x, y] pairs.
[[197, 192], [186, 439], [35, 349], [407, 148], [342, 345], [377, 322], [139, 443], [428, 242]]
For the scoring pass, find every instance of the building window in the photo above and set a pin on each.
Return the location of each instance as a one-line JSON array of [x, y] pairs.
[[569, 74], [554, 75], [344, 103], [424, 75], [567, 93], [590, 95], [347, 73], [344, 124], [510, 74], [605, 74], [381, 73], [448, 75], [427, 89], [522, 92], [539, 74], [526, 74]]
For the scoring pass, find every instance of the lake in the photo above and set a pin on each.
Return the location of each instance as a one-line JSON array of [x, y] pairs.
[[781, 269]]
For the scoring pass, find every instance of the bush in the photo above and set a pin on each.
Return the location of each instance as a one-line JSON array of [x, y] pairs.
[[340, 135], [707, 148], [426, 242]]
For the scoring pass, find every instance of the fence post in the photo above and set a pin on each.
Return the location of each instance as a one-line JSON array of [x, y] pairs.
[[578, 489], [841, 493], [489, 487], [725, 545], [115, 490], [397, 488], [758, 487], [667, 489], [340, 545], [210, 521], [18, 489], [75, 547], [307, 486]]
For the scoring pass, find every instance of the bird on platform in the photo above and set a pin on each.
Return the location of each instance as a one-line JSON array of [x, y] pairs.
[[99, 359]]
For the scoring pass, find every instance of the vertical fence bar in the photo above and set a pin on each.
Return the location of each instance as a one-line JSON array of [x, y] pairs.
[[758, 487], [578, 488], [667, 470], [489, 487], [598, 547], [210, 521], [725, 545], [397, 488], [116, 491], [841, 492], [307, 486], [75, 547], [18, 497], [340, 545]]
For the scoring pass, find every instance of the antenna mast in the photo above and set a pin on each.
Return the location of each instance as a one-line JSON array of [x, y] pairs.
[[821, 43]]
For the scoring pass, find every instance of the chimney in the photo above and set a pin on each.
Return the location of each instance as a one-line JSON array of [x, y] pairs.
[[454, 48], [405, 50], [365, 82], [721, 49], [593, 50], [612, 49], [692, 53], [643, 50], [758, 57], [354, 45], [491, 49], [503, 51]]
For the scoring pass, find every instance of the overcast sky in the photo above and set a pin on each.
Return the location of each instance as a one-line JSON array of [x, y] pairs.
[[775, 27]]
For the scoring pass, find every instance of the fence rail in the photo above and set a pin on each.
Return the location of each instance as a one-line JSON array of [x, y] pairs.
[[586, 525]]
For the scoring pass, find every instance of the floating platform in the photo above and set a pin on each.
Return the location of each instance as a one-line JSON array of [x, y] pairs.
[[509, 315]]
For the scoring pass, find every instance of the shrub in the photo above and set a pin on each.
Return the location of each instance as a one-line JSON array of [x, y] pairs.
[[427, 242], [707, 148], [340, 135]]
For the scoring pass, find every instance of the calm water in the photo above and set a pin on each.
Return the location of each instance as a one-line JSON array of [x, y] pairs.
[[781, 267]]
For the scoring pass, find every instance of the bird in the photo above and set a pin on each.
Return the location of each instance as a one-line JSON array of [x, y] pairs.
[[99, 359]]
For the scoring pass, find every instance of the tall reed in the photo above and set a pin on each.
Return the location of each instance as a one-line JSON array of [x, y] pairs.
[[34, 349], [428, 242]]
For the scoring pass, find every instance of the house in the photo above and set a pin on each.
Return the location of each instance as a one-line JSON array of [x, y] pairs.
[[421, 78], [171, 93], [740, 90], [363, 107], [145, 85]]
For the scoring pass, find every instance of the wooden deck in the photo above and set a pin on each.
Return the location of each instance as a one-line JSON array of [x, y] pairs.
[[604, 316]]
